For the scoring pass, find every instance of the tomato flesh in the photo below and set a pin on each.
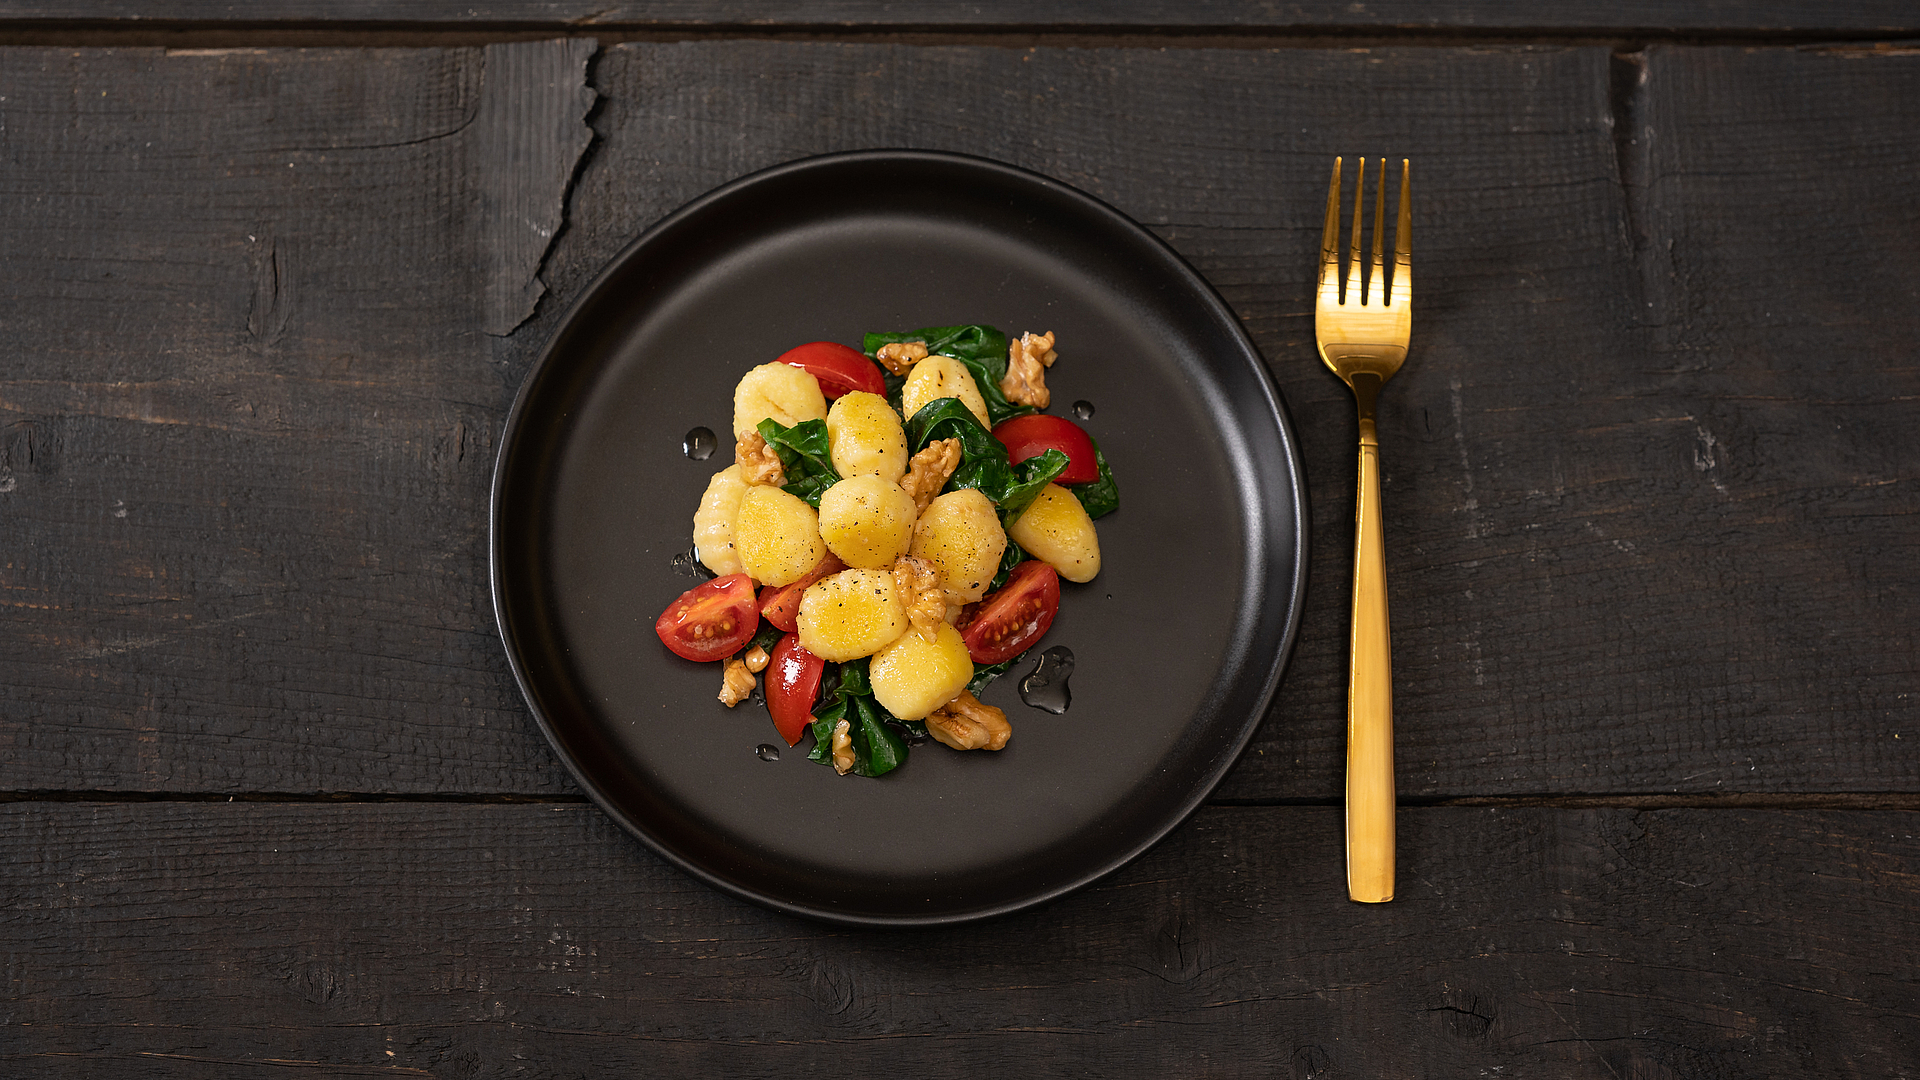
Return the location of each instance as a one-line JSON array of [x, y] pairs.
[[839, 369], [1016, 616], [780, 604], [793, 682], [711, 621], [1036, 433]]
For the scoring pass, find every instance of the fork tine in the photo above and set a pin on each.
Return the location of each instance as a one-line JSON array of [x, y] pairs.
[[1377, 284], [1354, 265], [1330, 243], [1402, 241]]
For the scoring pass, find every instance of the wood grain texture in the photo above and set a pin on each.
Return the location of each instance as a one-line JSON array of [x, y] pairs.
[[249, 415], [1511, 16], [248, 477], [176, 940]]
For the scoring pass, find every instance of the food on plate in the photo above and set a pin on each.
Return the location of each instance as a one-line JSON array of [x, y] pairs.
[[883, 559], [1057, 530], [778, 392], [776, 535]]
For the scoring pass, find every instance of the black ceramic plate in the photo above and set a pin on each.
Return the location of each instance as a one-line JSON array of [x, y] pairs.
[[1180, 641]]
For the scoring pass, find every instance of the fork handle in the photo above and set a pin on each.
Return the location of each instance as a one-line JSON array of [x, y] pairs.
[[1370, 798]]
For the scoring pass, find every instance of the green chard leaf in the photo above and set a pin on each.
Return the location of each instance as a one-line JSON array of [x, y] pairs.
[[982, 348], [804, 455], [846, 694], [983, 458], [1100, 497]]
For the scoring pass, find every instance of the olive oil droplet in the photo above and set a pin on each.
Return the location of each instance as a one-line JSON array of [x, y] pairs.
[[1046, 688], [699, 444], [1083, 409], [767, 752]]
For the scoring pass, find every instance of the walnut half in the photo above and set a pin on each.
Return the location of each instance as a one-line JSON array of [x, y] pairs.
[[842, 748], [917, 582], [736, 682], [1025, 382], [758, 462], [927, 473], [901, 355], [965, 724]]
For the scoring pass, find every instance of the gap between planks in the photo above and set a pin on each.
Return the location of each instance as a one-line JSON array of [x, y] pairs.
[[181, 34]]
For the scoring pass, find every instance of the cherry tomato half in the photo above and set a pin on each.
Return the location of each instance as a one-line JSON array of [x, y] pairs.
[[1036, 433], [711, 621], [1016, 616], [838, 368], [781, 603], [793, 682]]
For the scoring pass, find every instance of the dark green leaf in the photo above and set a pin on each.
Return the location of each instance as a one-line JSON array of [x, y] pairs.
[[1028, 478], [1102, 496], [877, 750], [804, 455]]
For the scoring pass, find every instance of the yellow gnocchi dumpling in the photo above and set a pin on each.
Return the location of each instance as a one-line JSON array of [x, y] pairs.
[[913, 676], [713, 521], [960, 534], [865, 438], [1057, 531], [867, 521], [937, 377], [777, 536], [780, 391], [851, 614]]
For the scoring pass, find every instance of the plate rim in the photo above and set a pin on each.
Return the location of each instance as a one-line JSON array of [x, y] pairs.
[[1198, 285]]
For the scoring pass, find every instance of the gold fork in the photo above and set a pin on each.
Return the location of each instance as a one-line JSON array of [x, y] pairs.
[[1364, 341]]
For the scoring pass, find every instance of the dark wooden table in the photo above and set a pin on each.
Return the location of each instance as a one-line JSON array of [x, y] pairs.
[[273, 804]]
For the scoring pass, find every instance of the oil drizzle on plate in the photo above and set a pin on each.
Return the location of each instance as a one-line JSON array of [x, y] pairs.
[[1046, 688], [699, 444]]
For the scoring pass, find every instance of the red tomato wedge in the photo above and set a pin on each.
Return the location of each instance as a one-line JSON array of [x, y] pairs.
[[1036, 433], [711, 621], [838, 368], [780, 604], [1016, 616], [793, 682]]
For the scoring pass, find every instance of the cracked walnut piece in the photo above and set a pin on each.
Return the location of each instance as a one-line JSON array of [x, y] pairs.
[[917, 583], [965, 724], [842, 748], [736, 682], [901, 355], [927, 473], [1027, 360], [759, 464]]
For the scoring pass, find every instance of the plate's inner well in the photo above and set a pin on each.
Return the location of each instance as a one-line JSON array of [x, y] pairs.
[[1177, 643]]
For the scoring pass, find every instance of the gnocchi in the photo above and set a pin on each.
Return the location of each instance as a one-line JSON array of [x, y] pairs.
[[851, 614], [939, 377], [777, 536], [866, 521], [1057, 531], [780, 392], [866, 437], [960, 535]]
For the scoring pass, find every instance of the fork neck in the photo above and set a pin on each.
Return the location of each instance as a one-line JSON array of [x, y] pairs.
[[1366, 390]]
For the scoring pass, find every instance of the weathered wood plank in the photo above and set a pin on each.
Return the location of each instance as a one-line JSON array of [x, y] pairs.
[[249, 411], [1508, 16], [213, 939]]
